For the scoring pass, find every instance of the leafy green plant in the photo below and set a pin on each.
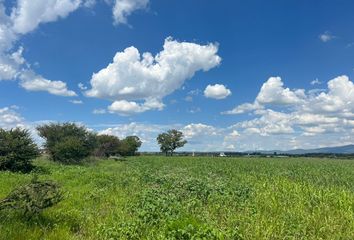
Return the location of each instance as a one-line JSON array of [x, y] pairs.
[[33, 198], [129, 146], [189, 228], [107, 145], [67, 142], [17, 150], [70, 151], [170, 141]]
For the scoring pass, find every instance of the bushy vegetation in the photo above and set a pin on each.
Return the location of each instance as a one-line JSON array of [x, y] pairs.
[[170, 141], [31, 199], [192, 198], [70, 143], [17, 150], [107, 145], [129, 146], [67, 142]]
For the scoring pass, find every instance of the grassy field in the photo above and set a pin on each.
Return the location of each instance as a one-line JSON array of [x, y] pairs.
[[192, 198]]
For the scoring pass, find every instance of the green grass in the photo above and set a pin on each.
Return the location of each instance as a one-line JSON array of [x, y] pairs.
[[192, 198]]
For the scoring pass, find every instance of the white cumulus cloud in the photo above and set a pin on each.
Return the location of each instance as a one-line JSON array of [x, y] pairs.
[[32, 82], [314, 118], [126, 108], [28, 14], [217, 91], [25, 17], [273, 92], [133, 76]]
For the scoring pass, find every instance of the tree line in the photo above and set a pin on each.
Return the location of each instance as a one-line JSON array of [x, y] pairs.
[[66, 143], [69, 143]]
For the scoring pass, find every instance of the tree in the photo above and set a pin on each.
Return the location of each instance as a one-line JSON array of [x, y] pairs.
[[170, 141], [129, 146], [67, 142], [17, 150], [107, 145]]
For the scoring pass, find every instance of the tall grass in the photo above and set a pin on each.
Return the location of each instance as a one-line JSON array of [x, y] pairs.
[[191, 198]]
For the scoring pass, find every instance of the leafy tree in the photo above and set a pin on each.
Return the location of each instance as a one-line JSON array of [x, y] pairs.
[[107, 145], [129, 146], [70, 151], [170, 141], [67, 142], [17, 150]]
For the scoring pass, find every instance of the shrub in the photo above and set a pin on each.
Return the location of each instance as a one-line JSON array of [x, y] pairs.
[[17, 150], [107, 145], [32, 198], [129, 146], [67, 142], [70, 151]]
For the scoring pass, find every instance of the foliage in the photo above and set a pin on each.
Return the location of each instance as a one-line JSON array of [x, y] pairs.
[[67, 142], [107, 145], [70, 151], [170, 141], [129, 146], [32, 198], [17, 150], [151, 197]]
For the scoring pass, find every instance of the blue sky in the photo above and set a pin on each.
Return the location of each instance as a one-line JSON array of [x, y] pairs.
[[232, 75]]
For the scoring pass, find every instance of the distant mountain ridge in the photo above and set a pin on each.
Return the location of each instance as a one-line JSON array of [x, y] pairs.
[[347, 149]]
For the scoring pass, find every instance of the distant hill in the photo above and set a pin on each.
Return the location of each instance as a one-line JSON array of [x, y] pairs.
[[348, 149]]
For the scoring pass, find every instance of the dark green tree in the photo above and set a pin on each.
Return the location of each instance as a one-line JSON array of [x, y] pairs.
[[67, 142], [129, 146], [107, 145], [170, 141], [17, 150]]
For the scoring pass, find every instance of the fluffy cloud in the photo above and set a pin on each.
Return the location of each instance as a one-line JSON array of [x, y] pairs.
[[217, 91], [273, 92], [338, 100], [126, 108], [243, 108], [7, 35], [8, 64], [198, 130], [133, 77], [32, 82], [25, 17], [269, 122], [9, 67], [30, 13], [123, 8], [320, 117], [10, 118]]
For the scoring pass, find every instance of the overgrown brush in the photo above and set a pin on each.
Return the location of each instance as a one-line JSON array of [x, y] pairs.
[[33, 198]]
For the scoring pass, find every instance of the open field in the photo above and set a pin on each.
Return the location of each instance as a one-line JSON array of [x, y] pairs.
[[192, 198]]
